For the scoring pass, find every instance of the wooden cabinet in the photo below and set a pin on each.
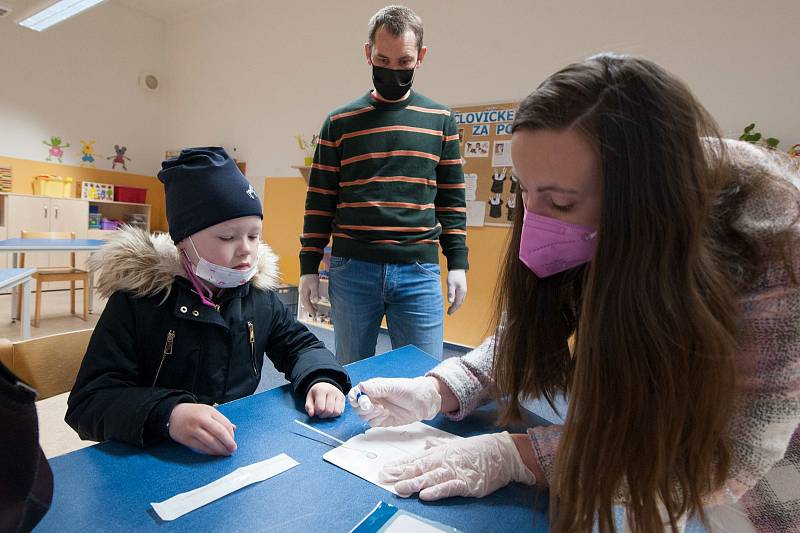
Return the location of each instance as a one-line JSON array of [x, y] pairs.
[[40, 213]]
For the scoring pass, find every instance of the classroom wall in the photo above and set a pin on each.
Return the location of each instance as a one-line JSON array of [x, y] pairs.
[[79, 80], [24, 171], [256, 73], [253, 74]]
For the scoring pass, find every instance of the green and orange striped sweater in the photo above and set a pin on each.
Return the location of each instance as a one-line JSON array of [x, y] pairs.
[[387, 183]]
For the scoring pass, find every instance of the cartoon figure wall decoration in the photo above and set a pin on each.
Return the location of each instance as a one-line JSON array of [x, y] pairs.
[[56, 149], [495, 206], [120, 158], [87, 154], [511, 203]]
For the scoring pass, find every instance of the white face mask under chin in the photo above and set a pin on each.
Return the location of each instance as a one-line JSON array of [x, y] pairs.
[[221, 276]]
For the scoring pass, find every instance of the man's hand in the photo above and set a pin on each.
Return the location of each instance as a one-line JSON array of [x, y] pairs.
[[309, 292], [456, 289], [202, 428]]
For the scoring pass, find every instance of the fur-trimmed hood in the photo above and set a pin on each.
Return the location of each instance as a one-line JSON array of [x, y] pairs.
[[146, 264]]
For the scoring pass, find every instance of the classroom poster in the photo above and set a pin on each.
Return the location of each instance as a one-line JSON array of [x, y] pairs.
[[485, 135]]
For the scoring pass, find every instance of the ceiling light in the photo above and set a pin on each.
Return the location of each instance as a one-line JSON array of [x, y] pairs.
[[55, 13]]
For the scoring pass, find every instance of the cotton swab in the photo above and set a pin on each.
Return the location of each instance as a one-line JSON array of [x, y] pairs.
[[370, 455], [315, 430]]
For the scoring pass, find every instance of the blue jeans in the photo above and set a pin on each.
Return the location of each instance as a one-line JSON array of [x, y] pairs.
[[361, 293]]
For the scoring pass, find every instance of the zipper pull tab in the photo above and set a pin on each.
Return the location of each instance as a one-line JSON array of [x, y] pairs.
[[167, 351], [251, 328], [168, 344]]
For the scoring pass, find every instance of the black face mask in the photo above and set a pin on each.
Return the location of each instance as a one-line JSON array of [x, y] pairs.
[[392, 84]]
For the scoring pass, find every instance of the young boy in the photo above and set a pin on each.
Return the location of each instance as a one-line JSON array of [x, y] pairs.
[[186, 325]]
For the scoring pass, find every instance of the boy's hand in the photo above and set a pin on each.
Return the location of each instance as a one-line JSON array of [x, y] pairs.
[[202, 428], [324, 400]]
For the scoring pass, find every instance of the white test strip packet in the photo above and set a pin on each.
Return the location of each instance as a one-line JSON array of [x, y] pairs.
[[186, 502], [365, 454]]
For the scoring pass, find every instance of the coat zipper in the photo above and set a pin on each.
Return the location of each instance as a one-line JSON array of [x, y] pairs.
[[252, 331], [167, 351]]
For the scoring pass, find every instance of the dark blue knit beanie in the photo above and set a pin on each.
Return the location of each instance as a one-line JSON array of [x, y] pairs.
[[203, 187]]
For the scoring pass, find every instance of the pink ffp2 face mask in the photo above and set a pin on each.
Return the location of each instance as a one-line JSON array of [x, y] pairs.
[[549, 246]]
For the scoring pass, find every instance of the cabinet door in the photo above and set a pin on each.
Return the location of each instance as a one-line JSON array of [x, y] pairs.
[[31, 213], [69, 215]]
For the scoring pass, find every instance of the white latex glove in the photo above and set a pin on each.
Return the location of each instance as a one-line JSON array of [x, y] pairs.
[[456, 289], [397, 401], [309, 292], [476, 466]]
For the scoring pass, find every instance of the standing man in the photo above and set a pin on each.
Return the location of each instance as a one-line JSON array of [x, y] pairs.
[[388, 184]]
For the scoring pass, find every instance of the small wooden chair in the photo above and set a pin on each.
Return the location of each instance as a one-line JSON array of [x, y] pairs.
[[50, 365], [51, 274]]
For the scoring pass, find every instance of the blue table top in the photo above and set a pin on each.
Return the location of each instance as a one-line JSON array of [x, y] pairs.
[[7, 274], [109, 487], [26, 245]]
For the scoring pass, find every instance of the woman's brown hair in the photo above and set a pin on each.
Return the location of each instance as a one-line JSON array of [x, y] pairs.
[[653, 316]]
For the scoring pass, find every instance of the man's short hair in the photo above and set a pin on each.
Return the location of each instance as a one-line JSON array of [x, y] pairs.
[[397, 20]]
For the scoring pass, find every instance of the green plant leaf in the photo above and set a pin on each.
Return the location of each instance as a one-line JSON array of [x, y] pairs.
[[755, 137], [772, 142], [749, 128]]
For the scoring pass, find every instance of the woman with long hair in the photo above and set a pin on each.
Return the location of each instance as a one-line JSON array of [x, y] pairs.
[[652, 278]]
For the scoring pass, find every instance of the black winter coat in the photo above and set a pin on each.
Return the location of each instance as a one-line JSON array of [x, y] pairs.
[[148, 354]]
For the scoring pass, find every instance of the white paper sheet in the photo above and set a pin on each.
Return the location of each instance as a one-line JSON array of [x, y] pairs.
[[410, 524], [470, 186], [364, 455], [476, 213], [185, 502]]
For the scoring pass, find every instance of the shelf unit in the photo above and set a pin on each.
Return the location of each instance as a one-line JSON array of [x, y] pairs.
[[117, 211], [324, 307]]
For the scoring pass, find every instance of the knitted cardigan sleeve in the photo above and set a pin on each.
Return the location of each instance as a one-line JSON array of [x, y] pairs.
[[469, 377]]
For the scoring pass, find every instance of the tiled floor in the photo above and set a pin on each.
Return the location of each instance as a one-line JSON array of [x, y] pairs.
[[56, 317]]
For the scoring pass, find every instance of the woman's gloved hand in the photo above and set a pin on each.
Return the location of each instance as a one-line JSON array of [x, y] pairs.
[[397, 401], [476, 466]]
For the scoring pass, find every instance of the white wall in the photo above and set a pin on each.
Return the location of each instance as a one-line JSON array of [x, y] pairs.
[[78, 80], [256, 73], [253, 73]]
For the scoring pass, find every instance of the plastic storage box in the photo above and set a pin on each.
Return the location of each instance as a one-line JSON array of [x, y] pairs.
[[110, 224], [95, 217], [137, 220], [133, 195], [56, 186]]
